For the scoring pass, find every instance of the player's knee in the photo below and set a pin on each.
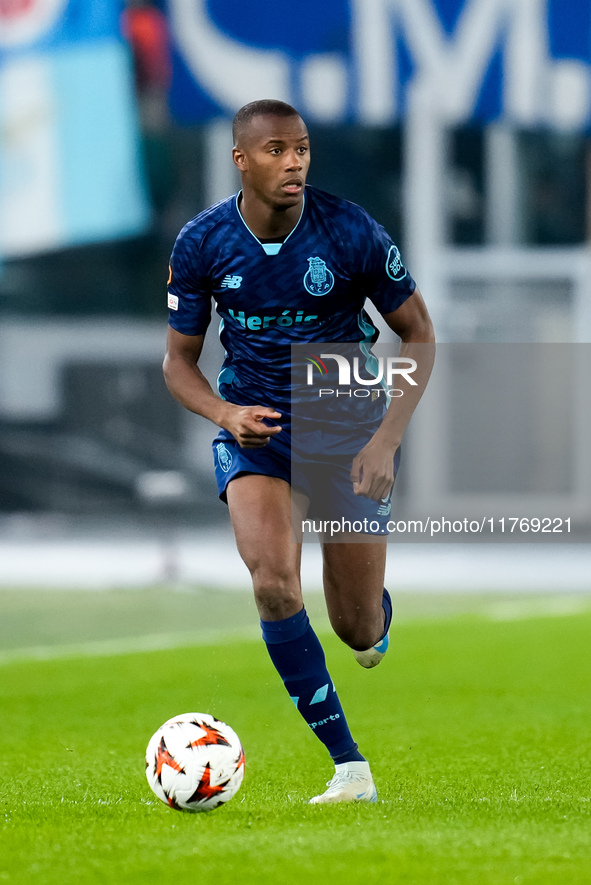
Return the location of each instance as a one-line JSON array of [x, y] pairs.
[[268, 578], [275, 605], [277, 591]]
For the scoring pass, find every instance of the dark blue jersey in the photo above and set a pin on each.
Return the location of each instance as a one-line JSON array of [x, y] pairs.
[[311, 288]]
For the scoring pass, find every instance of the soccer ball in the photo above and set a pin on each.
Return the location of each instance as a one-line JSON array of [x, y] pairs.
[[194, 762]]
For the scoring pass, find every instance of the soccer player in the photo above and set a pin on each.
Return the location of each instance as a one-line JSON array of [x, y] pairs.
[[285, 264]]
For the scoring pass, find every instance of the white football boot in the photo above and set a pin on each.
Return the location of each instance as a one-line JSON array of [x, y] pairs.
[[371, 657], [352, 782]]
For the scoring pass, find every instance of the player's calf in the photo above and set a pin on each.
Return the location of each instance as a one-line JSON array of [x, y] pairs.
[[299, 659], [370, 657], [357, 637]]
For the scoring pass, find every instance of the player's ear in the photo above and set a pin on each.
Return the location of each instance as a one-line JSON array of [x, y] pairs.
[[239, 158]]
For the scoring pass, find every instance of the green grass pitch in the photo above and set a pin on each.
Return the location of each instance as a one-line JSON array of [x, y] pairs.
[[478, 728]]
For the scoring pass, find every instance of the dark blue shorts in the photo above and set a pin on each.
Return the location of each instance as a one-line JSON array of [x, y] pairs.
[[325, 481]]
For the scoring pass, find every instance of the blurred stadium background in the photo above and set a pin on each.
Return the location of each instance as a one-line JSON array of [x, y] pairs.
[[461, 125]]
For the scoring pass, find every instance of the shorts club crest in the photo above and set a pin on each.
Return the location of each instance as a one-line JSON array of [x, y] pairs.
[[224, 457]]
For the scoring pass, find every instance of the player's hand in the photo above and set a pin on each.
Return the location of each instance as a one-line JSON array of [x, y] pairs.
[[245, 423], [372, 471]]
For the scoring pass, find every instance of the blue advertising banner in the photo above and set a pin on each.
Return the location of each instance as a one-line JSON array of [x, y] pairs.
[[363, 61], [69, 166]]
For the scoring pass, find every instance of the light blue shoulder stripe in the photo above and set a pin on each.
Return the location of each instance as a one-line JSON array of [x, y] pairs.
[[226, 376], [371, 362]]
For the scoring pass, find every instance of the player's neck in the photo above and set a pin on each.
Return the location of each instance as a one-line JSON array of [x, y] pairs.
[[265, 221]]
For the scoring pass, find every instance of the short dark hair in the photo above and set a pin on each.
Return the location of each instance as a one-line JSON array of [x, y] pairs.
[[264, 106]]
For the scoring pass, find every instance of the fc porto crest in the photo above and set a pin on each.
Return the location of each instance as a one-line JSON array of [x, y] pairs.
[[224, 457], [394, 267], [318, 280]]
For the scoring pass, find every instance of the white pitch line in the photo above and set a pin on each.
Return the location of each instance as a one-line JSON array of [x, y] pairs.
[[123, 646], [521, 610], [508, 610]]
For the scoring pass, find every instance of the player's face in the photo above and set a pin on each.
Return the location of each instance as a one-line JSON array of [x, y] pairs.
[[274, 157]]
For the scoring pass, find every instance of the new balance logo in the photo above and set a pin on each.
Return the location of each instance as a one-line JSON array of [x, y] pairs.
[[230, 282], [385, 506]]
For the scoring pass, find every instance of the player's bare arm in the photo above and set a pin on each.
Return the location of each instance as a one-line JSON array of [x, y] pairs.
[[187, 383], [372, 471]]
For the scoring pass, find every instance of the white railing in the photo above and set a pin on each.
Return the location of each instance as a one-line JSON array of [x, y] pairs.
[[487, 298]]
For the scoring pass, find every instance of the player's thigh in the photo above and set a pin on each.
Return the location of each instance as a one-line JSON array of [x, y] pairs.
[[261, 513], [353, 574]]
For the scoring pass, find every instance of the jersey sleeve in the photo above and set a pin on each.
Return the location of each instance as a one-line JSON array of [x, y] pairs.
[[387, 282], [189, 294]]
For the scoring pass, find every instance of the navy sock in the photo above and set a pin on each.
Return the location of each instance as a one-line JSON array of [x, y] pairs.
[[299, 659], [387, 606]]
